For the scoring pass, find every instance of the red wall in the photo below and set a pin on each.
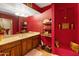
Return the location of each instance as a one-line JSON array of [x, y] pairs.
[[35, 22], [53, 28], [77, 24], [70, 11]]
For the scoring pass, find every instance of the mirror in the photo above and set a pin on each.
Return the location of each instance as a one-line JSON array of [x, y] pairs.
[[6, 24]]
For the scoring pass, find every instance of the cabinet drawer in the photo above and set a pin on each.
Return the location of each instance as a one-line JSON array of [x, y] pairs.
[[9, 45]]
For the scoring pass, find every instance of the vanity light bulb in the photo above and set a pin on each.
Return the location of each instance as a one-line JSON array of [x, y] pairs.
[[17, 14]]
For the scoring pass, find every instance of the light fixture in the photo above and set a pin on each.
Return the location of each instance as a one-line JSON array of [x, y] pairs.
[[17, 14], [22, 15]]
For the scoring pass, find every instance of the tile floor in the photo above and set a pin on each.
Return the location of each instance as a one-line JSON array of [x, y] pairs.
[[39, 52]]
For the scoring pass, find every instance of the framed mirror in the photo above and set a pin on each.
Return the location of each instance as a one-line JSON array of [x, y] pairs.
[[6, 24]]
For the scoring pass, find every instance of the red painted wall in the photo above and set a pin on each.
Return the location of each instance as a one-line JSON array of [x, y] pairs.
[[35, 22], [77, 24], [65, 36], [53, 29]]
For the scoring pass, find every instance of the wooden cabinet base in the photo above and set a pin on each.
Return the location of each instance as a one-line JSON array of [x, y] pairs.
[[19, 48]]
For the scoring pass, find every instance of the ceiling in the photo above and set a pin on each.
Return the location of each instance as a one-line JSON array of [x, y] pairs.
[[17, 9], [20, 9], [41, 5]]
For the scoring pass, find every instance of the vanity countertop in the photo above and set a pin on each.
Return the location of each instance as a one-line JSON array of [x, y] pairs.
[[48, 35], [17, 37]]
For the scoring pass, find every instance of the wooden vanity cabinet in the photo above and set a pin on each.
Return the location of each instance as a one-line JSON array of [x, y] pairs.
[[29, 43], [19, 48], [11, 49]]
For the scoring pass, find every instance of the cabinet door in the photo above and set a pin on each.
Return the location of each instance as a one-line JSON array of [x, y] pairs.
[[26, 45], [29, 44], [16, 50], [35, 41]]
